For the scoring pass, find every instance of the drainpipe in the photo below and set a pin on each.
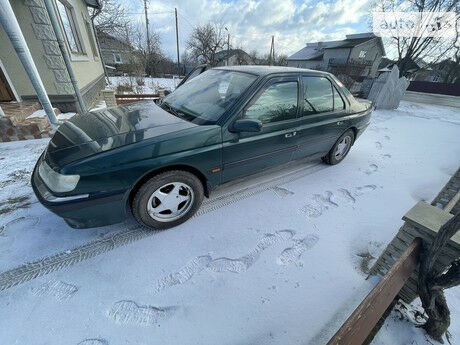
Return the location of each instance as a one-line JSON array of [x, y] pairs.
[[11, 26], [60, 40]]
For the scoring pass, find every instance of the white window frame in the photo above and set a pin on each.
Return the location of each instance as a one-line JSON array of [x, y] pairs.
[[362, 54], [91, 36], [117, 61], [80, 54]]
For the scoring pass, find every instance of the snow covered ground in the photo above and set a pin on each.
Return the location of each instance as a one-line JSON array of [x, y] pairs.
[[278, 258], [41, 114], [151, 85]]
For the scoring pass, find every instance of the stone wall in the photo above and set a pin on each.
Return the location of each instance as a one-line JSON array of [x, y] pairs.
[[44, 32]]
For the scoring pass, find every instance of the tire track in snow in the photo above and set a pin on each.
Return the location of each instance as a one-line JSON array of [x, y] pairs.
[[67, 258]]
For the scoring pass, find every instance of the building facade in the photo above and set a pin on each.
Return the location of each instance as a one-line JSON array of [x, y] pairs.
[[117, 55], [77, 29], [360, 50], [233, 57]]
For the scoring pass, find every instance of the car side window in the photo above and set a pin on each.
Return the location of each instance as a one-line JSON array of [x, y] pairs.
[[278, 102], [318, 97], [339, 104]]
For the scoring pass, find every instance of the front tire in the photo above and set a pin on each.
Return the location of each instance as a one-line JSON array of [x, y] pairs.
[[340, 149], [167, 199]]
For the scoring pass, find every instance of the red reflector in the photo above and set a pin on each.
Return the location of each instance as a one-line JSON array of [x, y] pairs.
[[215, 170]]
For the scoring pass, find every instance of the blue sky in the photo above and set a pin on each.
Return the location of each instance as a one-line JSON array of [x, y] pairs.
[[252, 22]]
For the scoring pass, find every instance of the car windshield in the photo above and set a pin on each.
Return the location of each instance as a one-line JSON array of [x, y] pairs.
[[206, 97]]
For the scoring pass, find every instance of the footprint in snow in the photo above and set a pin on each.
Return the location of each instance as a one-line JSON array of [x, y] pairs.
[[282, 192], [222, 264], [387, 155], [322, 202], [58, 289], [129, 312], [294, 253], [371, 169], [18, 224], [387, 137], [93, 342], [378, 145]]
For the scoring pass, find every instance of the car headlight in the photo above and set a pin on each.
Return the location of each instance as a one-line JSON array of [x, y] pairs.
[[57, 182]]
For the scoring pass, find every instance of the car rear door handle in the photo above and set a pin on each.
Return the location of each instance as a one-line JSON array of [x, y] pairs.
[[290, 135]]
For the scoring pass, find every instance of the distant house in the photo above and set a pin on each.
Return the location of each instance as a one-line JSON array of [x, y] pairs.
[[116, 53], [359, 49], [446, 71], [233, 57], [412, 67], [77, 29]]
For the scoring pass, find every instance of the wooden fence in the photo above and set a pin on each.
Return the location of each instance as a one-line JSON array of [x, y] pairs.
[[123, 99], [362, 321], [398, 264]]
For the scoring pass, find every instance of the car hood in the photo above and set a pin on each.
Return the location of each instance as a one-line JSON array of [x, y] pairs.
[[93, 132]]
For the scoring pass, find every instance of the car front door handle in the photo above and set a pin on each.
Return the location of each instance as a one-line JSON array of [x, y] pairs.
[[290, 135], [339, 123]]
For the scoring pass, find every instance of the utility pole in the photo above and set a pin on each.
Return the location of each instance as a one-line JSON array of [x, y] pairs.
[[177, 42], [228, 45], [147, 26], [272, 49], [228, 48]]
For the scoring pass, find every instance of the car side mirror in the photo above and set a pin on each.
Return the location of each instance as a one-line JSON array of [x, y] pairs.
[[246, 125]]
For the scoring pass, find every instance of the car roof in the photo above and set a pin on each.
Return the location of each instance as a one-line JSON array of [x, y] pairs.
[[266, 70]]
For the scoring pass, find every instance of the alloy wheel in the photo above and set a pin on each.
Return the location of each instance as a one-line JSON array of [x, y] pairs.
[[170, 202]]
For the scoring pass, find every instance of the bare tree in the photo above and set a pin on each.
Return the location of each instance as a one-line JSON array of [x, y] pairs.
[[112, 19], [205, 41], [412, 49], [147, 62]]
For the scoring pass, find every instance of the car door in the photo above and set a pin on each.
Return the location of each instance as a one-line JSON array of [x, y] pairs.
[[276, 106], [321, 116]]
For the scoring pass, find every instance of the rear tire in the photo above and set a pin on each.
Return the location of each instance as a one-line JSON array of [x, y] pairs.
[[167, 199], [340, 149]]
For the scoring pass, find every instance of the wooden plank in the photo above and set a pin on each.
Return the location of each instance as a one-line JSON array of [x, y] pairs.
[[452, 202], [358, 326], [147, 95]]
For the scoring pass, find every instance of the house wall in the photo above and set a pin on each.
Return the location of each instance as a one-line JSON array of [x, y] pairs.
[[373, 54], [87, 69], [111, 46], [311, 64], [40, 38], [338, 53]]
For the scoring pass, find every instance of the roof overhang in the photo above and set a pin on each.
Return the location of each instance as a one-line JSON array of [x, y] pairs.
[[94, 3]]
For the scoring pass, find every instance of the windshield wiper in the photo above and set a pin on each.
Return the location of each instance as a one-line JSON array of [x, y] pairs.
[[174, 111]]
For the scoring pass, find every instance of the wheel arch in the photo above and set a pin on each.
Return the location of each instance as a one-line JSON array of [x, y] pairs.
[[154, 172], [355, 132]]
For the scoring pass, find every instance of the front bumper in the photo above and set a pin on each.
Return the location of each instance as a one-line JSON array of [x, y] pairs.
[[81, 211]]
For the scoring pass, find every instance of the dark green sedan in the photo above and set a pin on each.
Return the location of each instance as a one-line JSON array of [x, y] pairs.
[[158, 162]]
